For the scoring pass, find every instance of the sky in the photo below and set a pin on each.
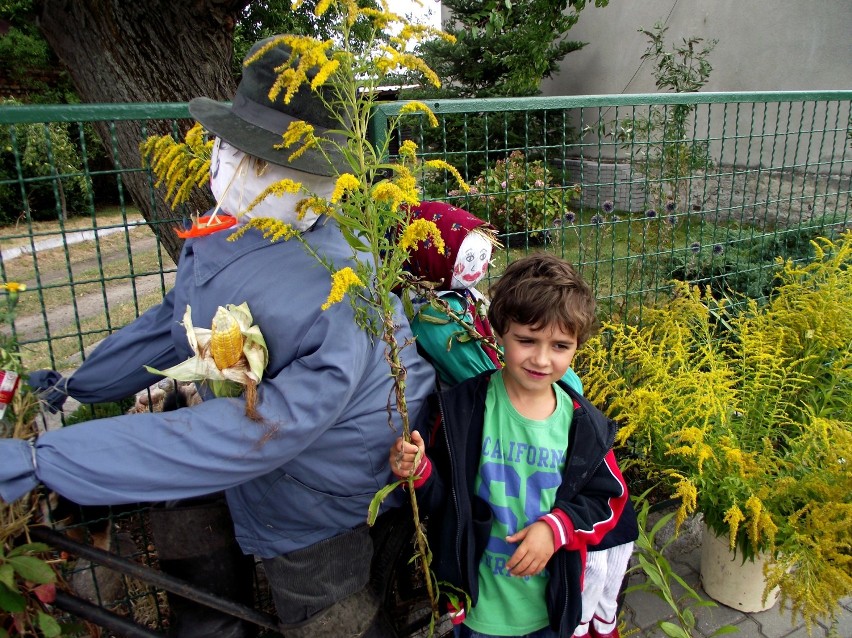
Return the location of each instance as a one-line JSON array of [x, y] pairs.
[[430, 11]]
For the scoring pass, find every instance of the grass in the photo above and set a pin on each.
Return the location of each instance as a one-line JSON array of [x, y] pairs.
[[21, 233], [63, 353], [58, 267], [79, 313], [625, 257]]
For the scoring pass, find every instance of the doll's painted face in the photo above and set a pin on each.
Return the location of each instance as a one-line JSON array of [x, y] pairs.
[[471, 261]]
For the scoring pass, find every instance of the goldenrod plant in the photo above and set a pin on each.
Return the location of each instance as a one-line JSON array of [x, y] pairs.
[[371, 194], [746, 417]]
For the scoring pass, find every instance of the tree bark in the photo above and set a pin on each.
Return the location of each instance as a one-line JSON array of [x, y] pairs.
[[144, 51]]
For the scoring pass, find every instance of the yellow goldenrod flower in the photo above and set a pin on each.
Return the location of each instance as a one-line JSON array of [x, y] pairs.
[[341, 282], [324, 73], [733, 517], [345, 183], [297, 131], [276, 189], [421, 230], [441, 164], [686, 491], [408, 149], [380, 19], [420, 107], [390, 193], [305, 52], [322, 7], [273, 229], [316, 204]]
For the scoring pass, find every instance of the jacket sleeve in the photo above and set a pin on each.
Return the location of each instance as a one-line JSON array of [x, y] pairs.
[[205, 448], [115, 369], [594, 511]]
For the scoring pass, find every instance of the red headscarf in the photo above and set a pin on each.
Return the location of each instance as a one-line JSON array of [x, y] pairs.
[[455, 224]]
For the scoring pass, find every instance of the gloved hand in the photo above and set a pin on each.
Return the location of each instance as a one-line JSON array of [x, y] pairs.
[[49, 385]]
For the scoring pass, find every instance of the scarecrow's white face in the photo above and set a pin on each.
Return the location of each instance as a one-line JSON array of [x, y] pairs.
[[238, 179], [471, 261]]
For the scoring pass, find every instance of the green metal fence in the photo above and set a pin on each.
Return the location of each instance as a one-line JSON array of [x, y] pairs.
[[636, 190]]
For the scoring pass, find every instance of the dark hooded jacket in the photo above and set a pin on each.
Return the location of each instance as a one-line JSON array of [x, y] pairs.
[[592, 494]]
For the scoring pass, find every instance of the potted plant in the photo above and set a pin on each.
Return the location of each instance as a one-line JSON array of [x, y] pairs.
[[744, 412]]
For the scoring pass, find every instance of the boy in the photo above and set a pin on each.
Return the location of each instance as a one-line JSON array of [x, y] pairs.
[[521, 476]]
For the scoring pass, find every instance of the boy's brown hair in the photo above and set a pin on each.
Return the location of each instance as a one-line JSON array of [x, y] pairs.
[[539, 290]]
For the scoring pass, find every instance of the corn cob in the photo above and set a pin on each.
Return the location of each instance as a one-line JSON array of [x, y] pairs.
[[226, 339]]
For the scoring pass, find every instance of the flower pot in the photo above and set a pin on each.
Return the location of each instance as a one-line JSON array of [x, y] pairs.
[[728, 579]]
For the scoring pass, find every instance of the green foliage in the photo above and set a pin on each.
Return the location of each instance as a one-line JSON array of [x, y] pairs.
[[503, 47], [265, 18], [746, 417], [99, 411], [27, 584], [27, 58], [660, 577], [748, 271], [42, 151], [518, 196], [660, 143]]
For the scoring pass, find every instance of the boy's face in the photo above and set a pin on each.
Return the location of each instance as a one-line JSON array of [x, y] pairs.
[[535, 359]]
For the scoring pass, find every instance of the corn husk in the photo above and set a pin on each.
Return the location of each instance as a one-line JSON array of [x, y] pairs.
[[241, 371]]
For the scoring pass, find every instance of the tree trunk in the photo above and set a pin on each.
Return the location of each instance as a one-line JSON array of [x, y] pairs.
[[120, 51]]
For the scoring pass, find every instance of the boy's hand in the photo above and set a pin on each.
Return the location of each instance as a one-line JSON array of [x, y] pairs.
[[536, 548], [405, 457]]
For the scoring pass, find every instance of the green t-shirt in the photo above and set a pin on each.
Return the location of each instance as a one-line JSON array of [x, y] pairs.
[[520, 469]]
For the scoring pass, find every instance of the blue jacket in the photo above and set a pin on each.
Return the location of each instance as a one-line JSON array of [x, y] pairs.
[[308, 472]]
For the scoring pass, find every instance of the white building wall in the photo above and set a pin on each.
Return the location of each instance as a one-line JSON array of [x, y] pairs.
[[764, 45]]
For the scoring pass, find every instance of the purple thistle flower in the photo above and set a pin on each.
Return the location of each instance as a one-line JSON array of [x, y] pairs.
[[570, 217], [695, 247], [670, 206], [718, 249], [616, 218], [608, 207], [671, 220], [597, 219], [650, 213]]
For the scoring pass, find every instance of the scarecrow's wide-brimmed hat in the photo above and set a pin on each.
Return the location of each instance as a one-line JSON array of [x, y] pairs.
[[253, 123]]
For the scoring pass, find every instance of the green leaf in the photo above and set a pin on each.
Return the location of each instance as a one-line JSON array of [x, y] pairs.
[[378, 498], [30, 548], [7, 576], [672, 630], [659, 524], [48, 625], [33, 569], [11, 601]]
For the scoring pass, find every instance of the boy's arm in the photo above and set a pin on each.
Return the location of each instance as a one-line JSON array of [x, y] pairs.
[[594, 511]]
